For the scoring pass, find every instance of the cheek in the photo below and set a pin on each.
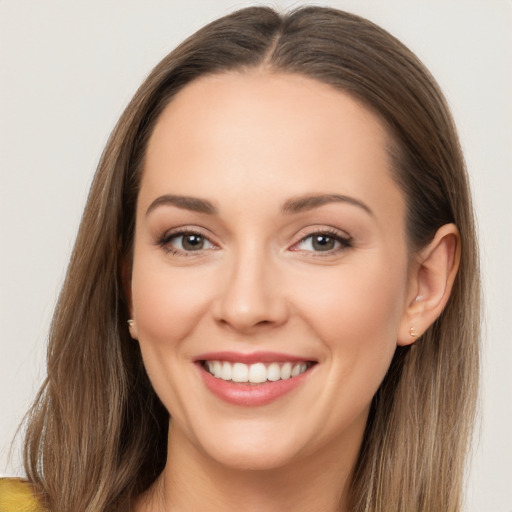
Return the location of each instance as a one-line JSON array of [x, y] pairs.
[[356, 312], [356, 316], [354, 300], [167, 306], [167, 303]]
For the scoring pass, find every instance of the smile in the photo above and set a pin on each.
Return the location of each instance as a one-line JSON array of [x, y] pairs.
[[253, 380], [256, 373]]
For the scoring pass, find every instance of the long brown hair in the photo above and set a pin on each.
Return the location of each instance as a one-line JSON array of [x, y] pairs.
[[97, 433]]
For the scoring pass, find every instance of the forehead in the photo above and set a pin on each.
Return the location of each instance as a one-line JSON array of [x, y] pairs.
[[273, 134]]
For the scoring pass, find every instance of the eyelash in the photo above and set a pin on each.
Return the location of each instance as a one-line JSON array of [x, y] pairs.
[[344, 242]]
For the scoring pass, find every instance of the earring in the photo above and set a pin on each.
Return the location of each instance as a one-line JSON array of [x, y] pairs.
[[130, 322], [413, 333]]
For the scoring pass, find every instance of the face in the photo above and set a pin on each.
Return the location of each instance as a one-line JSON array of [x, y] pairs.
[[269, 276]]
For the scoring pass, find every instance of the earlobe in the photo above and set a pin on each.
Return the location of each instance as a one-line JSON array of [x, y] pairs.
[[430, 283], [132, 328]]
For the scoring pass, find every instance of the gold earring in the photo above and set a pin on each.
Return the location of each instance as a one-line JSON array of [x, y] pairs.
[[413, 333]]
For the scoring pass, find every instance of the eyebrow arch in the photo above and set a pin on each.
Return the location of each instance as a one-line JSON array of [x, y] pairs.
[[304, 203], [185, 202]]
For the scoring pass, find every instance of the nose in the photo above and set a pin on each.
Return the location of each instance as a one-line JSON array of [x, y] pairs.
[[251, 297]]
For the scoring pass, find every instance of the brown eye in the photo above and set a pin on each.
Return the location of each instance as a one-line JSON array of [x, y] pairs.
[[192, 242], [188, 242], [323, 242]]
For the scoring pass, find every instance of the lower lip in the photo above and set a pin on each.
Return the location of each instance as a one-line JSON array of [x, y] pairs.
[[251, 395]]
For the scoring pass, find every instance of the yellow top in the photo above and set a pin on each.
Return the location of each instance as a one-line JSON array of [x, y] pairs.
[[16, 496]]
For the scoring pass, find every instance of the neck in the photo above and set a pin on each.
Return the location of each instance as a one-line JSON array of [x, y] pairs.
[[192, 480]]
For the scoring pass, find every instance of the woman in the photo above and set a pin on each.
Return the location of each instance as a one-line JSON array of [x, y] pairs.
[[282, 216]]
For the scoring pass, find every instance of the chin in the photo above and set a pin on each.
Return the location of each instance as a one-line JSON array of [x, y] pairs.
[[249, 447], [252, 458]]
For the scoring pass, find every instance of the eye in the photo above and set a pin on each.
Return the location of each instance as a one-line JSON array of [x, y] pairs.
[[185, 242], [322, 242]]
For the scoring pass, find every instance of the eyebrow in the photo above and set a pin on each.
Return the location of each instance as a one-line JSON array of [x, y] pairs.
[[185, 202], [294, 205], [305, 203]]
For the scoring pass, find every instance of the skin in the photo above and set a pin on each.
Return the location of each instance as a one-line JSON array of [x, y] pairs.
[[249, 143]]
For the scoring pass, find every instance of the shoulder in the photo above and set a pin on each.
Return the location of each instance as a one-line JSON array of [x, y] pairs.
[[16, 495]]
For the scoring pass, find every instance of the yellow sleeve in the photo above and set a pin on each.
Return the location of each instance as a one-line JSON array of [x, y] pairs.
[[16, 496]]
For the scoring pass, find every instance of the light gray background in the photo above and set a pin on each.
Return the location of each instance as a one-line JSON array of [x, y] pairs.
[[67, 70]]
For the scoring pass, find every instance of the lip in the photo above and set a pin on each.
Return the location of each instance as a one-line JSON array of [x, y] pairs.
[[250, 395]]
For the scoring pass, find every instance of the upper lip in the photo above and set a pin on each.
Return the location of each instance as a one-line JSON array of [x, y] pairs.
[[253, 357]]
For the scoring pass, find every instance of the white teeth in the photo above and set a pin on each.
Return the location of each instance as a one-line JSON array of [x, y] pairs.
[[273, 372], [217, 369], [286, 371], [295, 370], [225, 373], [240, 373], [255, 373]]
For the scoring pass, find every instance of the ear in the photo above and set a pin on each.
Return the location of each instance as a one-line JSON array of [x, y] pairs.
[[430, 283]]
